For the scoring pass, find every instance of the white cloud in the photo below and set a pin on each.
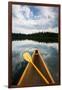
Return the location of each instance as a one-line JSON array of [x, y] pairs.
[[27, 31], [21, 11], [23, 23], [48, 12]]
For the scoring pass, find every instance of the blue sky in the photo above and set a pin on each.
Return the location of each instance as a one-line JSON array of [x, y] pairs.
[[33, 19]]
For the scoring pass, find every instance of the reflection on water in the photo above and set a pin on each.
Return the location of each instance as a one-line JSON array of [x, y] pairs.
[[49, 52]]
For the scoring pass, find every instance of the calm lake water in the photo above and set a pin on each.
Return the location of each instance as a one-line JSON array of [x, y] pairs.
[[49, 52]]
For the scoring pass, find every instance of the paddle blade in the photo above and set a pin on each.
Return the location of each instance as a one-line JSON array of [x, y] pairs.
[[27, 57]]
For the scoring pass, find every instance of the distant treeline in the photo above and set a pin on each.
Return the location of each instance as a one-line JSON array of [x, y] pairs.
[[40, 37]]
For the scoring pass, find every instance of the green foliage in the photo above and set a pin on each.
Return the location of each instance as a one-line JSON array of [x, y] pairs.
[[40, 37]]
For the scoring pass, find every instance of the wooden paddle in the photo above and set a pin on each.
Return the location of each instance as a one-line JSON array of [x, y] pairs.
[[28, 58]]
